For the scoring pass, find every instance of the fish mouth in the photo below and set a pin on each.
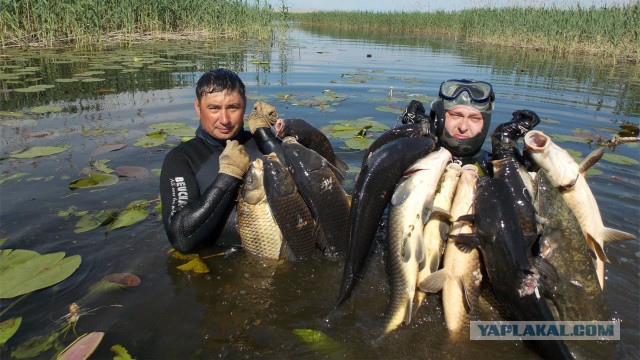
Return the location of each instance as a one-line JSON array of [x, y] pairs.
[[536, 141], [258, 164], [279, 127]]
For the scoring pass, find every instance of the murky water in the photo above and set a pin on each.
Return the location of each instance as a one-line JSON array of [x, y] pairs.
[[239, 309]]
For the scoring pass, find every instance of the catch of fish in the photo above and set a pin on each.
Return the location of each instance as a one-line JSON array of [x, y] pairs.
[[532, 242]]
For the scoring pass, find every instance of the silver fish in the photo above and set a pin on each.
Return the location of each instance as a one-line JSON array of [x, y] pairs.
[[411, 201], [566, 175]]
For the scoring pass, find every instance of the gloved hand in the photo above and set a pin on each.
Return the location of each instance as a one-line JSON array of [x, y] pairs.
[[505, 136], [234, 160], [414, 113], [262, 116]]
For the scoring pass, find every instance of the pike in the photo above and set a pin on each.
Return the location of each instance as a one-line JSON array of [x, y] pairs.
[[410, 204], [567, 176], [460, 277]]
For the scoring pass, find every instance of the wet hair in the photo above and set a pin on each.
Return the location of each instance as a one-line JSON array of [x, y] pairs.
[[218, 80]]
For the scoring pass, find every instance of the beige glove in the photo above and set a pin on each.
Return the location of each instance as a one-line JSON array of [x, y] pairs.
[[234, 160], [263, 115]]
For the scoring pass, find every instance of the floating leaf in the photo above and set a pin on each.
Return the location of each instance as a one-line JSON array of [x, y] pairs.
[[137, 172], [391, 109], [94, 179], [101, 165], [358, 143], [24, 271], [124, 279], [66, 80], [15, 176], [196, 265], [82, 347], [569, 138], [38, 151], [45, 109], [619, 159], [135, 212], [121, 353], [8, 328], [152, 139], [92, 79], [12, 113], [91, 221], [103, 149], [34, 88]]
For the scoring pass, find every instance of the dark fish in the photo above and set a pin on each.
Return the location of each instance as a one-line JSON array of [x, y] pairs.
[[514, 281], [289, 209], [322, 191], [519, 181], [402, 131], [373, 191], [310, 137]]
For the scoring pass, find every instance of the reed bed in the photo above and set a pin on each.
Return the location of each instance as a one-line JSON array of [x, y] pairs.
[[92, 23], [606, 31]]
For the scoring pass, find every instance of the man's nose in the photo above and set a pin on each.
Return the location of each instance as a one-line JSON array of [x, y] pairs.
[[224, 117]]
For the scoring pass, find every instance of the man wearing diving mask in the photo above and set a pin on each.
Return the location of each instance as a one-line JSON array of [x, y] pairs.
[[460, 119]]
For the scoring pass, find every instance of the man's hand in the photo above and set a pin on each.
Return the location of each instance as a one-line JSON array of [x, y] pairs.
[[234, 160], [525, 120], [262, 116], [413, 113]]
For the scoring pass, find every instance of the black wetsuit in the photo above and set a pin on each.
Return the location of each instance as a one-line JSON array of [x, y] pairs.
[[198, 203]]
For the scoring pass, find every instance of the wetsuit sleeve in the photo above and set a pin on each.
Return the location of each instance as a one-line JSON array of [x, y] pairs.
[[190, 219]]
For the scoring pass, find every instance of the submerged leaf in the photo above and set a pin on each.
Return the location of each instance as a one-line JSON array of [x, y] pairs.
[[107, 148], [319, 341], [196, 265], [619, 159], [38, 151], [8, 328], [137, 172], [124, 279], [91, 221], [13, 177], [36, 345], [82, 347], [94, 179], [24, 271]]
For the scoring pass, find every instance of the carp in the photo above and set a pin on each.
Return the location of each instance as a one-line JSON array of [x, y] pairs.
[[410, 205], [259, 232]]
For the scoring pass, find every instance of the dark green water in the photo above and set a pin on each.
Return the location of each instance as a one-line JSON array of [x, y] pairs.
[[238, 309]]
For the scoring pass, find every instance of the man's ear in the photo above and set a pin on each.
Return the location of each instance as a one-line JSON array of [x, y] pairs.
[[196, 105]]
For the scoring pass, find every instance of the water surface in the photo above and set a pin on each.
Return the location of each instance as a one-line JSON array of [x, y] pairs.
[[240, 308]]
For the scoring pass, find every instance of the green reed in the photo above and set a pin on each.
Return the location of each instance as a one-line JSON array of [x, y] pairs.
[[90, 23], [607, 31]]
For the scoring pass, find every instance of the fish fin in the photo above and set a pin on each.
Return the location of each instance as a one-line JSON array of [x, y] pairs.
[[401, 193], [595, 246], [321, 239], [286, 253], [441, 214], [467, 218], [546, 269], [591, 159], [434, 264], [341, 166], [408, 310], [420, 250], [434, 282], [465, 242], [616, 235], [465, 297]]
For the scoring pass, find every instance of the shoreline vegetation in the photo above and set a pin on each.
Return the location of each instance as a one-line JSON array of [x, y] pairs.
[[611, 33]]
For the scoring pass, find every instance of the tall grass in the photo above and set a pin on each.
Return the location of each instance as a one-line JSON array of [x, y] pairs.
[[90, 23], [608, 31]]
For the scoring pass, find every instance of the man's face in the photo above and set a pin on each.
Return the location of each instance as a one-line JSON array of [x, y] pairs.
[[221, 113], [463, 121]]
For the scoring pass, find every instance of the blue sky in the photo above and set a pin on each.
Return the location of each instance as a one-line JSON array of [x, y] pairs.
[[425, 5]]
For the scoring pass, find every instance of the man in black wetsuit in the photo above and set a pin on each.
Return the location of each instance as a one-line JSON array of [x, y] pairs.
[[460, 119], [200, 178]]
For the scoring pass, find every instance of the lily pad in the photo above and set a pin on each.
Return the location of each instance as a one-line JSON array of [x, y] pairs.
[[91, 221], [25, 271], [358, 143], [103, 149], [45, 109], [34, 88], [15, 176], [38, 151], [135, 212], [121, 353], [101, 165], [8, 328], [12, 113], [619, 159], [156, 138], [136, 172], [82, 347], [94, 179]]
